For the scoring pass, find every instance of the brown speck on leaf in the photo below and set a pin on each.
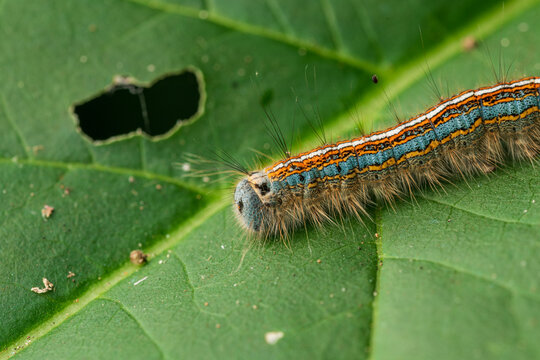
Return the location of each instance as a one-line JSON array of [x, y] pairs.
[[70, 274], [131, 179], [92, 28], [255, 307], [159, 187], [319, 261], [47, 286], [137, 257], [37, 148], [469, 43], [376, 235], [206, 303], [47, 211], [218, 326]]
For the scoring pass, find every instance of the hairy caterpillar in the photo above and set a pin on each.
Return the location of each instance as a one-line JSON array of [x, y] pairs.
[[467, 134]]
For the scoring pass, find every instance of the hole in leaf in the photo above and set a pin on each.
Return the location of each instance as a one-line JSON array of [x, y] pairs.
[[127, 107]]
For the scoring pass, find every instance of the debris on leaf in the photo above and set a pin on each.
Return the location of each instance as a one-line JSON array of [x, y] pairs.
[[48, 286], [137, 257], [469, 43], [140, 281], [70, 274], [47, 211], [67, 190], [272, 337], [37, 148]]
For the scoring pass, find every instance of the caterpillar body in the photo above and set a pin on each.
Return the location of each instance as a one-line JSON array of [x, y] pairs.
[[467, 134]]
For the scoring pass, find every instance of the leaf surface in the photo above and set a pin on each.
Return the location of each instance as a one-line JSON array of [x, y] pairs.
[[449, 274]]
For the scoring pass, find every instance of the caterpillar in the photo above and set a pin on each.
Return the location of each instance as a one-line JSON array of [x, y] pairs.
[[467, 134]]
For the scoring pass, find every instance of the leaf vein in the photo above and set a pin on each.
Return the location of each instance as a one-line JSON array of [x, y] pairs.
[[376, 286], [469, 273], [281, 19], [134, 318], [262, 32], [108, 169], [193, 289], [485, 216], [15, 128], [331, 23]]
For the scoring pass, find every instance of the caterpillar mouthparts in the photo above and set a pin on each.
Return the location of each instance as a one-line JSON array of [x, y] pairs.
[[470, 133]]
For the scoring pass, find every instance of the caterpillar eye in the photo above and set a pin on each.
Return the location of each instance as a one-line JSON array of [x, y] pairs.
[[264, 189], [240, 206]]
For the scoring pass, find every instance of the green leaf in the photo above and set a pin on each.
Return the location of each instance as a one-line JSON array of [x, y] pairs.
[[448, 274]]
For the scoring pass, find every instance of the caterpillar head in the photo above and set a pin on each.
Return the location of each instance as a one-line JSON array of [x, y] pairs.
[[253, 201]]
